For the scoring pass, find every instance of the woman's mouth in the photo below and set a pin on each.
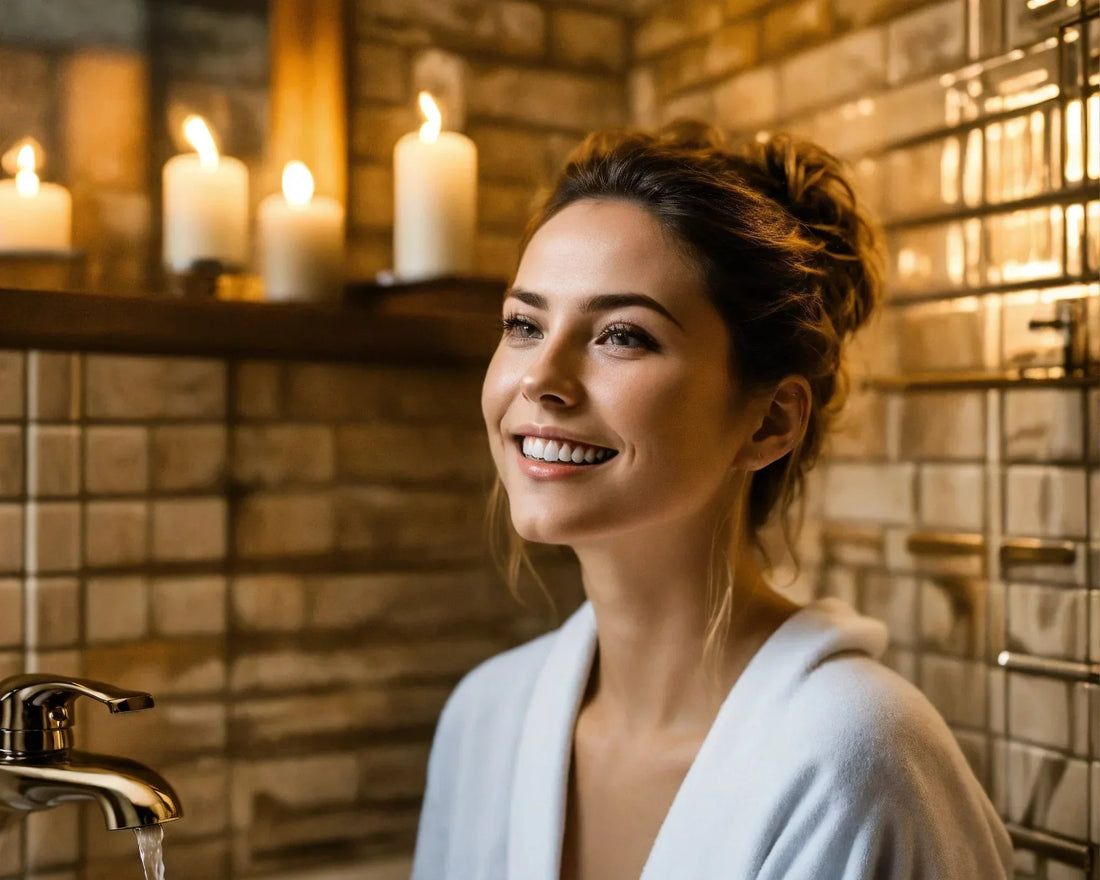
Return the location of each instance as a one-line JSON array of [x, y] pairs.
[[566, 452]]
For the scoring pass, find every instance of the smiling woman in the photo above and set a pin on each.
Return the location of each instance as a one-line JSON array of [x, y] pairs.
[[670, 360]]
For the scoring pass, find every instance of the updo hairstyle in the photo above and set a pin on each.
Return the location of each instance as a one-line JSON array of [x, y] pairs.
[[791, 261]]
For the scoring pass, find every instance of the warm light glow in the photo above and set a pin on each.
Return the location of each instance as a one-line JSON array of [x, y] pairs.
[[429, 131], [1093, 113], [1075, 137], [199, 136], [297, 184], [26, 181]]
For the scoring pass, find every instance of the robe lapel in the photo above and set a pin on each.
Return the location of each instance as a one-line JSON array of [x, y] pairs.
[[536, 818]]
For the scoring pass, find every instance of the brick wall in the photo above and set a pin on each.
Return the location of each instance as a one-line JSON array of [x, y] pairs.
[[524, 78], [289, 556], [951, 115]]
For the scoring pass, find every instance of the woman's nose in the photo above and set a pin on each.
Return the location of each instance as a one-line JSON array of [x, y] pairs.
[[552, 378]]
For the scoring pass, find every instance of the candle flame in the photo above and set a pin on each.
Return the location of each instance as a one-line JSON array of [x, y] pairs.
[[429, 131], [199, 136], [26, 181], [297, 183]]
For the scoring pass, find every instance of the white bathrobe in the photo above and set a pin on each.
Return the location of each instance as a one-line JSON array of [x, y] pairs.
[[822, 764]]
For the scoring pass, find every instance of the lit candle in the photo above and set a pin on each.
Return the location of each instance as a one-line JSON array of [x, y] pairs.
[[34, 216], [205, 204], [301, 240], [435, 200]]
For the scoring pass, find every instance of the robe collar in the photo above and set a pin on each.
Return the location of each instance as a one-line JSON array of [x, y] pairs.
[[536, 822]]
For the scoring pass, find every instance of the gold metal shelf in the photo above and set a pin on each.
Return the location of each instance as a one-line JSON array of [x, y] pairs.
[[1023, 377]]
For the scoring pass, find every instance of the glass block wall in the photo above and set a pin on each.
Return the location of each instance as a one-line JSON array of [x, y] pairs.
[[960, 501]]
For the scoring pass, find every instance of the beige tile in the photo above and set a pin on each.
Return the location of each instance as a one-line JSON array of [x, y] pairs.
[[877, 493], [189, 457], [132, 387], [953, 612], [11, 538], [11, 461], [54, 613], [1039, 710], [53, 838], [56, 456], [11, 848], [53, 385], [1049, 621], [415, 454], [115, 533], [1043, 425], [435, 524], [283, 455], [113, 136], [116, 459], [952, 496], [116, 608], [172, 732], [943, 425], [1045, 502], [303, 782], [580, 38], [56, 542], [844, 68], [180, 666], [393, 771], [956, 688], [189, 529], [12, 372], [893, 600], [271, 602], [11, 613], [286, 525], [927, 41], [257, 382], [189, 605]]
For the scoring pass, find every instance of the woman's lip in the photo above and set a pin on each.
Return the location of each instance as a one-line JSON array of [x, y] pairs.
[[545, 470], [552, 434]]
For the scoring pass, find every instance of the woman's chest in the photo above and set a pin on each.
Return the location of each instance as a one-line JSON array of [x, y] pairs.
[[616, 802]]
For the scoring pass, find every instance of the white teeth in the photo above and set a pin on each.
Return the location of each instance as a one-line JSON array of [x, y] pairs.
[[561, 451]]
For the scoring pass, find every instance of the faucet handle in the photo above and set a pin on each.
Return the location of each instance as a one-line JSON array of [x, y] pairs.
[[36, 710]]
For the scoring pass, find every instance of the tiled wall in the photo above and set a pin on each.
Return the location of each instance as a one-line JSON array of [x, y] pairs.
[[289, 556], [963, 122]]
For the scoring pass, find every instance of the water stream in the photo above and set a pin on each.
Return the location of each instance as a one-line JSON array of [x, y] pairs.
[[150, 842]]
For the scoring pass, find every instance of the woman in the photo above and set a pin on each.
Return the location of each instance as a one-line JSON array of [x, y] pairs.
[[670, 361]]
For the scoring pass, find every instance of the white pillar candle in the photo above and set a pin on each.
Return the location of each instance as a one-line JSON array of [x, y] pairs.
[[205, 204], [301, 241], [435, 200], [34, 216]]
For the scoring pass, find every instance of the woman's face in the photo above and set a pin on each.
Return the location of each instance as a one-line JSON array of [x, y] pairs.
[[611, 347]]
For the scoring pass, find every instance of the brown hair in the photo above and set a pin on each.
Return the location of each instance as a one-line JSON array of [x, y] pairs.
[[790, 259]]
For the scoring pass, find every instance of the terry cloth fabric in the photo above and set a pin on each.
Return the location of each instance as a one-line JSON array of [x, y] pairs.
[[822, 764]]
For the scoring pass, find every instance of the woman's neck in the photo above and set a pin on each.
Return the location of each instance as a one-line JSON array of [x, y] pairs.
[[649, 678]]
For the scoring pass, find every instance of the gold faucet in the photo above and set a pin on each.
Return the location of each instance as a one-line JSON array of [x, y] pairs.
[[39, 768]]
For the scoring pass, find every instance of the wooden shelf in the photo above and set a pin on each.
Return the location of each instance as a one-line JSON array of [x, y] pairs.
[[451, 320]]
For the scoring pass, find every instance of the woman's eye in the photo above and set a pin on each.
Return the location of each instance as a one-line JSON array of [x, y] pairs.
[[519, 327], [624, 336]]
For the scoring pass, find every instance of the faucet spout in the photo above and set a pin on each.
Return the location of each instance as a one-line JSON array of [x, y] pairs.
[[129, 794]]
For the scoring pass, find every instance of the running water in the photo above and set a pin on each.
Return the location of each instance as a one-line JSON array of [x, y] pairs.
[[151, 846]]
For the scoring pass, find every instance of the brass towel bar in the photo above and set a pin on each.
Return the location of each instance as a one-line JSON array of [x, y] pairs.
[[1066, 670], [1069, 852]]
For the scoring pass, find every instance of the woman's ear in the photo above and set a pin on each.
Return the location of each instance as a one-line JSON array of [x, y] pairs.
[[781, 426]]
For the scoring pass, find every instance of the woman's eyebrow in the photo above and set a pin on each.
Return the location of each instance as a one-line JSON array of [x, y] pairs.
[[600, 303]]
